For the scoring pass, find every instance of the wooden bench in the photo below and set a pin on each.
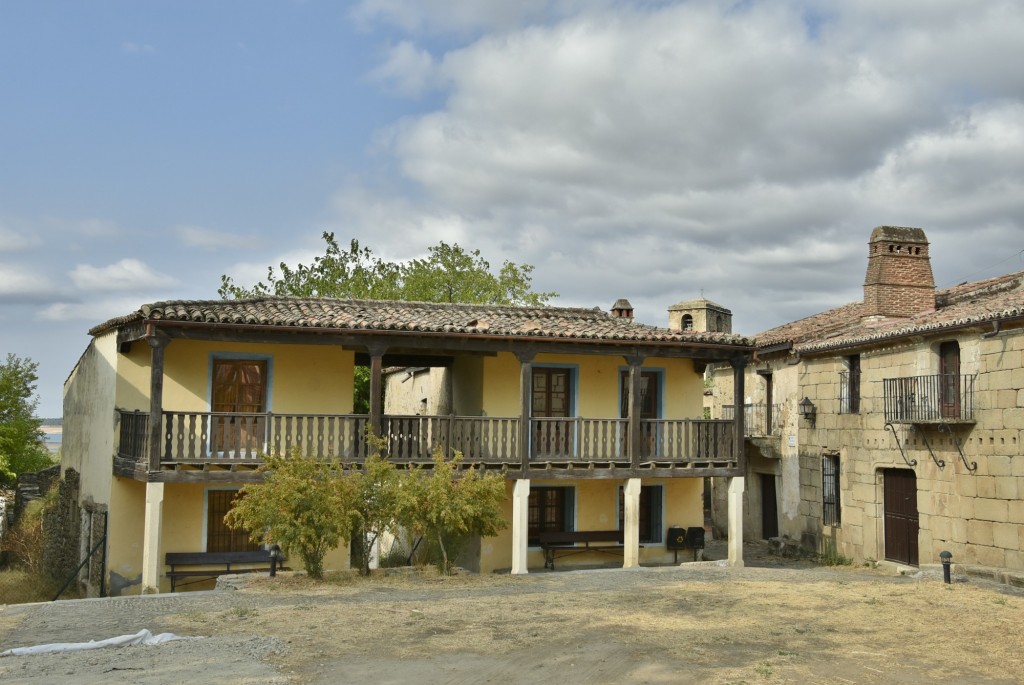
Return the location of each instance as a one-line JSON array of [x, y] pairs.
[[579, 542], [224, 563]]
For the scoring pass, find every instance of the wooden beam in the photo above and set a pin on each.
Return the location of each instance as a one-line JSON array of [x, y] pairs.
[[525, 405], [739, 392], [157, 343], [376, 388], [635, 445]]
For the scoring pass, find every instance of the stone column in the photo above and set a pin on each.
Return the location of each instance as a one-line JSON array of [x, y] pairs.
[[520, 525], [736, 486], [631, 523], [152, 564]]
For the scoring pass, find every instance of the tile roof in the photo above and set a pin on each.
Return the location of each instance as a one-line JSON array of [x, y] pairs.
[[426, 317], [965, 304]]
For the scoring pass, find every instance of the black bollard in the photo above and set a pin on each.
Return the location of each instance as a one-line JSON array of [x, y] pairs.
[[946, 558], [275, 552]]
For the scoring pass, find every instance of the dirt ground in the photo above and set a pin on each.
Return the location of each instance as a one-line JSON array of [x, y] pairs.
[[780, 621]]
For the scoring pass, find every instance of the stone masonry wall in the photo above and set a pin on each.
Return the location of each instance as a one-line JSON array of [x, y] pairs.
[[979, 515]]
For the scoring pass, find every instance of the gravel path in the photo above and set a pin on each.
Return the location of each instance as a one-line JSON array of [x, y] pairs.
[[458, 632]]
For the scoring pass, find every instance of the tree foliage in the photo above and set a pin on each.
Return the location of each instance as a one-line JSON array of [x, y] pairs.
[[448, 506], [308, 506], [381, 500], [21, 442], [305, 505], [448, 274]]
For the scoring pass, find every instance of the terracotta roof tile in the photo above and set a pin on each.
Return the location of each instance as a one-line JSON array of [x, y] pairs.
[[968, 303], [463, 319]]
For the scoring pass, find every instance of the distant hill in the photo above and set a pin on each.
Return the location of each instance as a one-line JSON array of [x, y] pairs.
[[53, 422]]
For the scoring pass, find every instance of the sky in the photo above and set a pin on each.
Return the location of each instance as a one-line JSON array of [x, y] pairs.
[[652, 150]]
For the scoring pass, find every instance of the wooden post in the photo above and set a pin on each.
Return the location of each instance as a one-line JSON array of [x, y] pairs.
[[739, 402], [376, 389], [525, 390], [635, 444], [158, 342]]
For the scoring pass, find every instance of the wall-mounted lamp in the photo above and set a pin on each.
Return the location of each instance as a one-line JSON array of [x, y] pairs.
[[808, 410]]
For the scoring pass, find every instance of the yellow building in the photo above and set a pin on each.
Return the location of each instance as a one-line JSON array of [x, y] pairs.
[[596, 420], [892, 428]]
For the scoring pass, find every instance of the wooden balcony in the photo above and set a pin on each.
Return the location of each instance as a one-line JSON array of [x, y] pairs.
[[936, 399], [234, 442]]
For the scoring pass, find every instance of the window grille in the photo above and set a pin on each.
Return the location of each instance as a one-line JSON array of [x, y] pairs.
[[830, 489]]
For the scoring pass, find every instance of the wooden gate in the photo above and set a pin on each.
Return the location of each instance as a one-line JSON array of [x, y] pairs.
[[901, 520]]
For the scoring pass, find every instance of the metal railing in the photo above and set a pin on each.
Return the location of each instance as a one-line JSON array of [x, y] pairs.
[[929, 399], [759, 420]]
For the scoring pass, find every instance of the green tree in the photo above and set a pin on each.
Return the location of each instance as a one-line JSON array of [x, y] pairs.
[[448, 274], [21, 442], [355, 273], [448, 506], [381, 498], [305, 505]]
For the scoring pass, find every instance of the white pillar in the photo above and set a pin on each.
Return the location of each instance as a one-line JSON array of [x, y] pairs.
[[152, 564], [631, 534], [736, 485], [520, 525]]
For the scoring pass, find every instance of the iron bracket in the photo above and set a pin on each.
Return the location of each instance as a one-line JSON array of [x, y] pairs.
[[972, 466], [910, 462]]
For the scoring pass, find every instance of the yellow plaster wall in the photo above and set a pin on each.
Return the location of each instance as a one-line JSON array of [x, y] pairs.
[[597, 509], [88, 443], [125, 532], [597, 390], [304, 378], [184, 528]]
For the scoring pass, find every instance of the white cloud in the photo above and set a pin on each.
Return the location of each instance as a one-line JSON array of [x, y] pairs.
[[744, 148], [407, 70], [15, 241], [125, 275], [204, 238], [460, 16], [22, 283], [93, 311]]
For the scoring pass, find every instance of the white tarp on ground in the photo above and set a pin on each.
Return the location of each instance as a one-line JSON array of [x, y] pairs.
[[143, 637]]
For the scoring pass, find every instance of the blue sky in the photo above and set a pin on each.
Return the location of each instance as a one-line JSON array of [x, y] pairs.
[[650, 150]]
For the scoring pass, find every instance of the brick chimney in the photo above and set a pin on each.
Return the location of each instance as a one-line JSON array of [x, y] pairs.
[[899, 280], [622, 309]]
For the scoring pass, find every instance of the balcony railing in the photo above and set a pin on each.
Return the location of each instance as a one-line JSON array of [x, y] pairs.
[[929, 399], [236, 438], [759, 420]]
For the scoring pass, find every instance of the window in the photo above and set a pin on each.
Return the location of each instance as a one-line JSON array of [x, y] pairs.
[[849, 386], [650, 394], [830, 489], [550, 509], [552, 400], [239, 387], [687, 322], [949, 380], [651, 497], [220, 538]]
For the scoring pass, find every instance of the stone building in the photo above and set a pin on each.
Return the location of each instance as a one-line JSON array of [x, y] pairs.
[[891, 428]]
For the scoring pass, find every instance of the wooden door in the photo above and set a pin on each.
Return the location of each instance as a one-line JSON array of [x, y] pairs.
[[769, 507], [949, 381], [901, 519], [552, 400], [239, 388], [650, 395]]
